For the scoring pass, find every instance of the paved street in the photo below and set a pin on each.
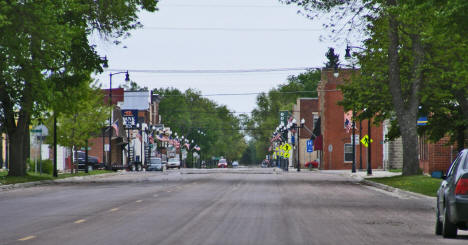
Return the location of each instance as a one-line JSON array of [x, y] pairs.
[[252, 207]]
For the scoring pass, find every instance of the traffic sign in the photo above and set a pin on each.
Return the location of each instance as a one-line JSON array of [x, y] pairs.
[[287, 147], [286, 154], [366, 141], [310, 146]]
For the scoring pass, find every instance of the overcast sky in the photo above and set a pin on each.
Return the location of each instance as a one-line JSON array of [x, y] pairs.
[[218, 35]]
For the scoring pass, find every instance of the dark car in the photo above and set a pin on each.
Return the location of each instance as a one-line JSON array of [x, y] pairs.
[[93, 162], [452, 198]]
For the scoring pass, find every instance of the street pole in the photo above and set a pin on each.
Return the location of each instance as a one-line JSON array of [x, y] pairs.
[[110, 122], [354, 148], [360, 145], [55, 145], [369, 162], [298, 149]]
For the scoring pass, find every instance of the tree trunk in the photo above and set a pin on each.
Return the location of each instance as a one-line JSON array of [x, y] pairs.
[[16, 153], [406, 107]]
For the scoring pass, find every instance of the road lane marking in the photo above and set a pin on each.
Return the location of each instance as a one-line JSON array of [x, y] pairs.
[[79, 221], [155, 195], [168, 191], [26, 238], [139, 201], [114, 209]]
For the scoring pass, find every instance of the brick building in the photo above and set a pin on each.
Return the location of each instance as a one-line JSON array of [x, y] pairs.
[[306, 108], [337, 144], [436, 156]]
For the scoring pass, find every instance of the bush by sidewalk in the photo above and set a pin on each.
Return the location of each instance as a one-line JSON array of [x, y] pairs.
[[417, 183]]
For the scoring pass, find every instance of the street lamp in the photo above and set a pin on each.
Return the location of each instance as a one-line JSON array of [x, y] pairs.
[[127, 78], [293, 125]]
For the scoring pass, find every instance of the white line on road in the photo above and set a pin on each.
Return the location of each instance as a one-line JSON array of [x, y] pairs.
[[79, 221], [26, 238], [139, 201], [114, 209]]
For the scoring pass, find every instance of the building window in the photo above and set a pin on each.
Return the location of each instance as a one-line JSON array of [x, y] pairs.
[[348, 152]]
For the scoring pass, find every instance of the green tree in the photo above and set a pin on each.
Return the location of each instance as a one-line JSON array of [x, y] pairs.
[[42, 39], [265, 117], [333, 59], [397, 57], [188, 112]]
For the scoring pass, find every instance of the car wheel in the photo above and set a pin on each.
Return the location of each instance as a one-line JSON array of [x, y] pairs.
[[449, 229], [438, 225]]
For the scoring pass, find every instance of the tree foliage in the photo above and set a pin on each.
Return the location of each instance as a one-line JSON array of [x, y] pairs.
[[44, 48], [409, 60], [265, 117], [188, 114]]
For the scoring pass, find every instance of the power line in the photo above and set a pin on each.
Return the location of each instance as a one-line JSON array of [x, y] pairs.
[[230, 29], [212, 71]]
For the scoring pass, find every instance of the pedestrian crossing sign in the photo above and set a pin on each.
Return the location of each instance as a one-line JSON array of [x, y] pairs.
[[366, 141]]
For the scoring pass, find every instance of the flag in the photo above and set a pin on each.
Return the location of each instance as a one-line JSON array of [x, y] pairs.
[[115, 125], [269, 148], [276, 137], [159, 137], [348, 125], [151, 140], [197, 148], [139, 136], [187, 145]]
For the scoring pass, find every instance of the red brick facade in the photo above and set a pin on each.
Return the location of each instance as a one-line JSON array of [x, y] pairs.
[[436, 156], [334, 133]]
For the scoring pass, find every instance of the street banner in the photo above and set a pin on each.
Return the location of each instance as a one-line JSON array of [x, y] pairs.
[[130, 118]]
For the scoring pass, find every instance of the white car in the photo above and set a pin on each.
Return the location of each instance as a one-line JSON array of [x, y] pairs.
[[222, 163], [235, 164], [173, 163]]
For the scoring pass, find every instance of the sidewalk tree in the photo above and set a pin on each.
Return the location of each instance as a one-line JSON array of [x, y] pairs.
[[42, 38], [399, 36], [84, 117]]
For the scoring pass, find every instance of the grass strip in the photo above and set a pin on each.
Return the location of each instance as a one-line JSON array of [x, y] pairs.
[[416, 183], [31, 176]]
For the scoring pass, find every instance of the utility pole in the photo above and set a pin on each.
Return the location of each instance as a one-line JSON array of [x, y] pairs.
[[369, 162]]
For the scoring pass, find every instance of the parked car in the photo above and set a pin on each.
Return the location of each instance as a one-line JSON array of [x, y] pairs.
[[173, 163], [452, 198], [235, 164], [155, 164], [93, 162], [222, 163]]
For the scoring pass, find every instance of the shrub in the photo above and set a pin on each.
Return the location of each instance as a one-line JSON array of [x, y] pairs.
[[47, 166]]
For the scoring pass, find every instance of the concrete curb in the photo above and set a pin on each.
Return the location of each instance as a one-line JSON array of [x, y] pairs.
[[49, 182], [396, 190]]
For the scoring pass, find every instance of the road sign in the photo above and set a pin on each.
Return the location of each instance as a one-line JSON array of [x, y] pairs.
[[286, 154], [310, 146], [106, 147], [284, 117], [287, 147], [366, 141]]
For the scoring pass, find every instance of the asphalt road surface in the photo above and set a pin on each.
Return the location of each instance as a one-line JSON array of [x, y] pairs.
[[216, 208]]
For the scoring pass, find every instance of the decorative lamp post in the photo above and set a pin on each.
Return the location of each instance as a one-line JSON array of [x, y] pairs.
[[127, 78]]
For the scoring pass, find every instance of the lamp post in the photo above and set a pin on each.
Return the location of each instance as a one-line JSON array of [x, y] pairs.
[[140, 131], [293, 125], [369, 162], [127, 78]]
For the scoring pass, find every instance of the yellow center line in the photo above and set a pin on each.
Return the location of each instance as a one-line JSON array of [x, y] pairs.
[[139, 201], [114, 209], [26, 238], [79, 221]]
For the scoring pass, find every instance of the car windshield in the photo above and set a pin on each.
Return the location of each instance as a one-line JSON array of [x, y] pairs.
[[173, 160], [222, 161], [155, 161]]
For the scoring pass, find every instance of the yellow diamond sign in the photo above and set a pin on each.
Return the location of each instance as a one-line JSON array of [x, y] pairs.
[[366, 141]]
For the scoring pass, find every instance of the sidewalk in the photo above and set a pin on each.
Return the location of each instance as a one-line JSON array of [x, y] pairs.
[[362, 174]]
